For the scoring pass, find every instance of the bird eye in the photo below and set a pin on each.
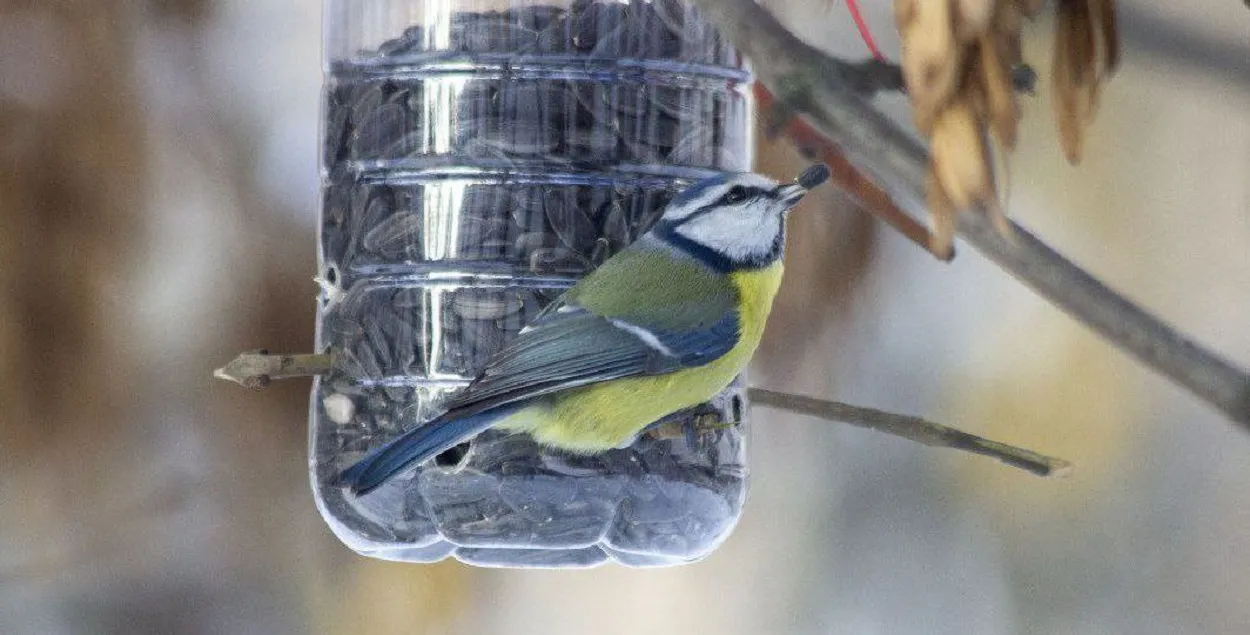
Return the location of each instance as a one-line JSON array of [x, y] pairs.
[[736, 194]]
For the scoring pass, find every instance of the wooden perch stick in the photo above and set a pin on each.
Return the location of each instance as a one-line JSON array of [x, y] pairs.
[[913, 429], [807, 81], [255, 369]]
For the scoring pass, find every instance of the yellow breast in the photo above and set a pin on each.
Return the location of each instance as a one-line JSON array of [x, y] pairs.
[[604, 416]]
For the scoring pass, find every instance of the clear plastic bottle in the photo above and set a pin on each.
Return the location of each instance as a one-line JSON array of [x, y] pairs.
[[478, 158]]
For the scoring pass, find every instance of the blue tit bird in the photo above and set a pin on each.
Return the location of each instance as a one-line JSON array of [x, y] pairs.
[[662, 326]]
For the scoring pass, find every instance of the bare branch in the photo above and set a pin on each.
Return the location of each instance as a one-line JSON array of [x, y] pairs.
[[255, 369], [913, 429], [871, 198], [898, 163]]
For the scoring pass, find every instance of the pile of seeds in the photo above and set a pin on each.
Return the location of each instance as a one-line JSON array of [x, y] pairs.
[[530, 228], [662, 500], [460, 199]]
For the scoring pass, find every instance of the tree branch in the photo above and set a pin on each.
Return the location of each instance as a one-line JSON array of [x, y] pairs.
[[913, 429], [898, 163], [871, 198]]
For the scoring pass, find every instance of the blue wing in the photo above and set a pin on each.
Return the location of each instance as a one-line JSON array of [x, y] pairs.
[[414, 446], [647, 311], [564, 348], [572, 346]]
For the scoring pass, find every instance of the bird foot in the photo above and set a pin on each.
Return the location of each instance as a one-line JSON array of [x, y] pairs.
[[697, 425]]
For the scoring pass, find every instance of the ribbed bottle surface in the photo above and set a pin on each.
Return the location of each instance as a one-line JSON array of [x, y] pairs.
[[479, 158]]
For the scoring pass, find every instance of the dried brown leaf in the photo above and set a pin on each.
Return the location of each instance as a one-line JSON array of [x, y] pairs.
[[932, 58], [1002, 108], [1103, 12], [959, 156], [972, 18], [973, 90], [942, 240], [904, 13], [1074, 76], [1027, 7], [1006, 29], [994, 202]]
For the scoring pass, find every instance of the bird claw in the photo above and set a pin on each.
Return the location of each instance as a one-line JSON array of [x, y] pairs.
[[698, 426]]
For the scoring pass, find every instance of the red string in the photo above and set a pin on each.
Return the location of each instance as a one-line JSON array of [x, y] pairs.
[[864, 32]]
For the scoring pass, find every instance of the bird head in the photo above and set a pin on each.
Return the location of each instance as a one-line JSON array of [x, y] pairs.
[[735, 221]]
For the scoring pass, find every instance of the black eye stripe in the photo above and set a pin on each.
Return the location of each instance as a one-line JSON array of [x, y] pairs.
[[746, 193], [735, 194], [739, 193], [751, 192]]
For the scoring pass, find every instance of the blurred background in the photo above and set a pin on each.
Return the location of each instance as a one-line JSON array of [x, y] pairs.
[[158, 196]]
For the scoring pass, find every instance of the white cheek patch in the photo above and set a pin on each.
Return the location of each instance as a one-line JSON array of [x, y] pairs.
[[741, 234]]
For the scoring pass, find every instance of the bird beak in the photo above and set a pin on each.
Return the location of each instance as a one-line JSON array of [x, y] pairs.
[[789, 195]]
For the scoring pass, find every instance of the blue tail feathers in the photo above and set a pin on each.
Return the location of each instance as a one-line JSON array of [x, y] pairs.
[[416, 446]]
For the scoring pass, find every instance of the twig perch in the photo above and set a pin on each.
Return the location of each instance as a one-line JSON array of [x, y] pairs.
[[255, 369], [913, 429], [799, 76]]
